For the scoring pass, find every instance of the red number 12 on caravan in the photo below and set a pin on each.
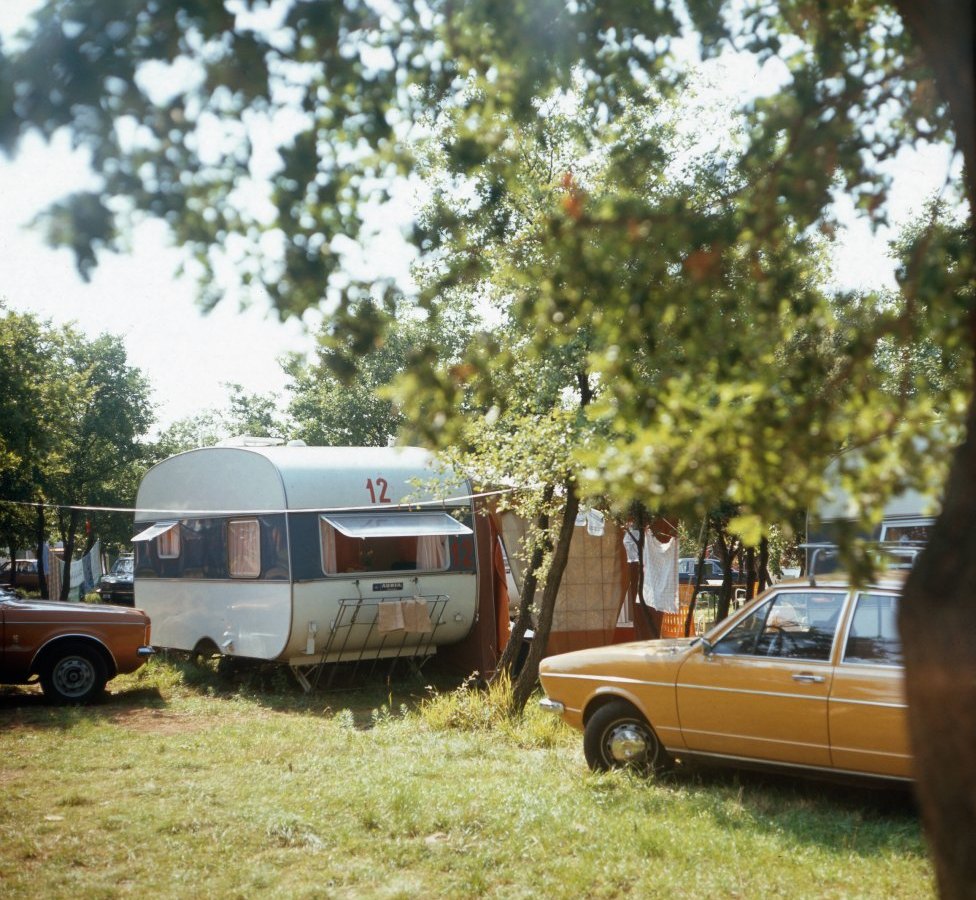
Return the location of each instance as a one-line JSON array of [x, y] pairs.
[[380, 489]]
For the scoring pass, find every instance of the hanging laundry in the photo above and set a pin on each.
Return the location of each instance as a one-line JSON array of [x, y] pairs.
[[389, 616], [661, 573], [84, 573], [631, 545], [409, 615], [416, 619]]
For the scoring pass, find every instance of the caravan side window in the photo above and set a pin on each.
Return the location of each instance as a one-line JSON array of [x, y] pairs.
[[168, 543], [327, 535], [244, 548], [387, 542]]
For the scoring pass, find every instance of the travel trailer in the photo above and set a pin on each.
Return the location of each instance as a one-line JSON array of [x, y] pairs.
[[906, 521], [312, 555]]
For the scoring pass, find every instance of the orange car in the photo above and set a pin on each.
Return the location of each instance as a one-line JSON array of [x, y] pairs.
[[807, 677], [72, 648]]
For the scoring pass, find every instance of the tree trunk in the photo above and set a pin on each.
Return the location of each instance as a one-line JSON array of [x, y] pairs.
[[523, 622], [938, 612], [727, 554], [69, 549], [40, 534], [527, 678], [90, 533], [751, 578], [699, 575], [944, 31], [938, 627], [763, 565]]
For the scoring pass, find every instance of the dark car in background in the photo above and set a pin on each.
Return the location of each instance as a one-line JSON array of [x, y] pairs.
[[116, 587], [688, 569]]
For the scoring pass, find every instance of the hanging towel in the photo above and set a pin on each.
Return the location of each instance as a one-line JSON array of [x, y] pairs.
[[661, 573], [416, 619], [84, 573], [389, 616]]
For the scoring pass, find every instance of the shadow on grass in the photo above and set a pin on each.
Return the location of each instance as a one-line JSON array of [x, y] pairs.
[[358, 691], [27, 705], [862, 794], [391, 685], [865, 817]]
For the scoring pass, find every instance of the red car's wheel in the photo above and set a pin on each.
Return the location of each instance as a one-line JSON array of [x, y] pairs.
[[73, 674]]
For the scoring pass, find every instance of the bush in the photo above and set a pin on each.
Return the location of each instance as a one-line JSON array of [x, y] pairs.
[[476, 707]]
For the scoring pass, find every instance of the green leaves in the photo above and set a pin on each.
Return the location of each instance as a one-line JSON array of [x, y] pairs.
[[73, 414], [657, 293]]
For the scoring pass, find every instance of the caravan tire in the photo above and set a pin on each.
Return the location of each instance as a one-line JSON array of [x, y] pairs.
[[204, 653]]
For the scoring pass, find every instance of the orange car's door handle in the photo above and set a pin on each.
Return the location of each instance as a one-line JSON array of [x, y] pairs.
[[808, 678]]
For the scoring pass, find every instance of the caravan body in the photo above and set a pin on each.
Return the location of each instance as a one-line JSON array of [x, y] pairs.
[[907, 517], [905, 524], [305, 554]]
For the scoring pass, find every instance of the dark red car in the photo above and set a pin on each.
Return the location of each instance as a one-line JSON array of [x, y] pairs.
[[73, 649]]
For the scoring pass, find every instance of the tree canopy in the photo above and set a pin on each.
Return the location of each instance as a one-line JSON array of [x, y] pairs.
[[72, 427], [693, 274]]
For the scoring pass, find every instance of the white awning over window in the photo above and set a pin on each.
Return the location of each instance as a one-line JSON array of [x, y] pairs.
[[154, 531], [388, 525]]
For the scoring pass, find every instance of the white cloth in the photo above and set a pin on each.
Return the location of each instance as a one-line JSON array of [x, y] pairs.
[[84, 573], [593, 519], [631, 548], [660, 573], [431, 553], [595, 523]]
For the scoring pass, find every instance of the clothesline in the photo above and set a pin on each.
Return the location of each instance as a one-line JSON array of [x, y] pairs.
[[186, 513]]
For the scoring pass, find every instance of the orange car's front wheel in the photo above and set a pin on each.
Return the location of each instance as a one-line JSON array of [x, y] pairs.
[[617, 736]]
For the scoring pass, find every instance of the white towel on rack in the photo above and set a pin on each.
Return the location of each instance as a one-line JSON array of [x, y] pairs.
[[389, 616]]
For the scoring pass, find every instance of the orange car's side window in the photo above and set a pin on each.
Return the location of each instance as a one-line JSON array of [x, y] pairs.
[[792, 625], [873, 638], [742, 640]]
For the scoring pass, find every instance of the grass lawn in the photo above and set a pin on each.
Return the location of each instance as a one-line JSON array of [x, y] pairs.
[[183, 784]]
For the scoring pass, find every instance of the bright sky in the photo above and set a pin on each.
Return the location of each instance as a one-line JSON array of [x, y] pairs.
[[187, 355]]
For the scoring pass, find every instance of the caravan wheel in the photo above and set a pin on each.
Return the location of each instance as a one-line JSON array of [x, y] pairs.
[[205, 654]]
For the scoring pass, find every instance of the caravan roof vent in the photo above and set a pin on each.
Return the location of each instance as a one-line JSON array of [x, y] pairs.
[[248, 440]]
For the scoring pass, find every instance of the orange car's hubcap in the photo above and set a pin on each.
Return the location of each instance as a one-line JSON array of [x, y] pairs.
[[627, 743]]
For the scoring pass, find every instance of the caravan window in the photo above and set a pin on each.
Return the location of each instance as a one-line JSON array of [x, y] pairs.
[[167, 537], [388, 542], [244, 548], [913, 531], [168, 544]]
